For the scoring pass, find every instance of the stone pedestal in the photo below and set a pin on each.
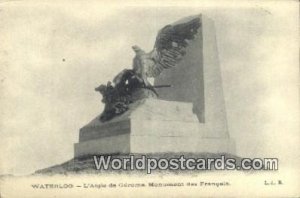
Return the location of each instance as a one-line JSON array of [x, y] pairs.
[[151, 126]]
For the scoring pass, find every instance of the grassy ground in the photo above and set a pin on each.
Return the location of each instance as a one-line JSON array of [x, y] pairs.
[[86, 165]]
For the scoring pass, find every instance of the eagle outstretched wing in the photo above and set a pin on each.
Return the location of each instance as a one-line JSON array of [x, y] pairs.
[[170, 45]]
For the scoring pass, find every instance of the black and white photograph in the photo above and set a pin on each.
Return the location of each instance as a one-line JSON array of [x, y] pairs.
[[149, 98]]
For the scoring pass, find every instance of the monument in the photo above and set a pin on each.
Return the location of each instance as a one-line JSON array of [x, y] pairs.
[[184, 111]]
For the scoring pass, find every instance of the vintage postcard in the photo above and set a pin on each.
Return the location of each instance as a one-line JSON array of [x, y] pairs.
[[149, 99]]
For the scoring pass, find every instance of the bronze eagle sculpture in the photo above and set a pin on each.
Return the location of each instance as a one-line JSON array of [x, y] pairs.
[[169, 48]]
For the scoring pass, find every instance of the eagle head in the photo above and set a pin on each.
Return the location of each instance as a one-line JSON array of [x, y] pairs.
[[137, 49]]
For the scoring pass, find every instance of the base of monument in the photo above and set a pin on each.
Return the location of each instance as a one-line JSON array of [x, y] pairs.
[[151, 126], [124, 144]]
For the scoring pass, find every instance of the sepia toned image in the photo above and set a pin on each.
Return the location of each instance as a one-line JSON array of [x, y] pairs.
[[149, 99]]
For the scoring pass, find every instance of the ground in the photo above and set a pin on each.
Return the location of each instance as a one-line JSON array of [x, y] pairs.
[[86, 165]]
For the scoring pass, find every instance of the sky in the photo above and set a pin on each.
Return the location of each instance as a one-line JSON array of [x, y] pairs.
[[54, 55]]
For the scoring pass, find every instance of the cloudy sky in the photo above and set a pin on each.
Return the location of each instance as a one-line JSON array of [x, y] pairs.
[[54, 55]]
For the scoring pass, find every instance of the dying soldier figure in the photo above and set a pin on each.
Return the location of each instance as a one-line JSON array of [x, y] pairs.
[[128, 88]]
